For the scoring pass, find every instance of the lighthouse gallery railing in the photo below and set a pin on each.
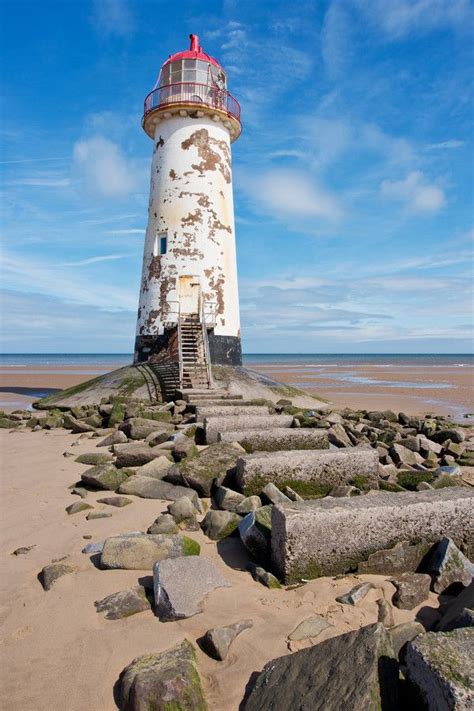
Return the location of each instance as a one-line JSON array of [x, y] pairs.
[[192, 93]]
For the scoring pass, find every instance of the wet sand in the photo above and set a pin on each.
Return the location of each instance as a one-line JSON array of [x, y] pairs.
[[417, 390], [59, 654]]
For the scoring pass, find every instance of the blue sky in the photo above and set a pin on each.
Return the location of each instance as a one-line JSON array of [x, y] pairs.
[[352, 177]]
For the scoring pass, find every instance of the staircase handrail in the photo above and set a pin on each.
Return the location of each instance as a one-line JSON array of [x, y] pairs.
[[180, 348], [207, 355]]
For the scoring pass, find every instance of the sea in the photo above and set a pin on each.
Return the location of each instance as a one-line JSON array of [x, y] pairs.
[[457, 360]]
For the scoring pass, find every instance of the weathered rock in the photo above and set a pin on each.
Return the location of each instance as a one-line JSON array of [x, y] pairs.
[[366, 676], [92, 515], [309, 628], [255, 532], [310, 473], [248, 504], [181, 509], [332, 536], [77, 426], [116, 437], [342, 492], [412, 590], [459, 613], [53, 572], [139, 428], [203, 411], [94, 458], [279, 438], [104, 476], [447, 565], [77, 507], [8, 423], [148, 488], [385, 613], [455, 435], [211, 465], [216, 642], [291, 494], [180, 586], [165, 523], [93, 548], [157, 468], [220, 524], [142, 551], [23, 550], [404, 633], [338, 436], [440, 665], [184, 448], [214, 425], [403, 456], [117, 501], [163, 682], [135, 454], [228, 499], [356, 594], [402, 558], [124, 603], [260, 575], [271, 494]]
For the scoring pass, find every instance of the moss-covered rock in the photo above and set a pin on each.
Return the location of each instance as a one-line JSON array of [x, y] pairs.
[[410, 479]]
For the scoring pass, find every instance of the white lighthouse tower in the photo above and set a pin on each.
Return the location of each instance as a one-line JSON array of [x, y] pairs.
[[189, 307]]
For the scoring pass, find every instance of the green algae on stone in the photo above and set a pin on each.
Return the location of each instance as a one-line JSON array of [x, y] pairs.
[[190, 546], [410, 479]]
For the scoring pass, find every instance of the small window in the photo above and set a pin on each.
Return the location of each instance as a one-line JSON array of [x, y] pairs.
[[160, 244]]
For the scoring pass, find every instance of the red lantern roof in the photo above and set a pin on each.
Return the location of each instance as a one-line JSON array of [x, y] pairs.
[[195, 51]]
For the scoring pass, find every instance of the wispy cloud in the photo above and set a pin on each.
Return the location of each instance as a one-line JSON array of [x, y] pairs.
[[336, 39], [415, 192], [94, 260], [132, 231], [398, 18], [113, 17], [104, 168], [445, 145], [35, 160], [41, 182]]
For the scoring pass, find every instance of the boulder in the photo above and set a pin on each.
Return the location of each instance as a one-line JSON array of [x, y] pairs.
[[162, 682], [459, 612], [255, 532], [411, 590], [338, 436], [77, 507], [165, 523], [180, 586], [404, 633], [214, 425], [272, 494], [262, 576], [92, 515], [184, 448], [93, 458], [447, 566], [228, 499], [440, 665], [210, 466], [117, 501], [124, 603], [385, 613], [248, 504], [356, 594], [366, 678], [182, 509], [402, 558], [402, 456], [332, 536], [139, 428], [148, 488], [157, 468], [53, 572], [220, 524], [278, 438], [105, 476], [455, 435], [117, 437], [142, 551], [135, 454], [216, 642]]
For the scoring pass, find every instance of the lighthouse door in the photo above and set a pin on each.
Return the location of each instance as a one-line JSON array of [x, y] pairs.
[[189, 294]]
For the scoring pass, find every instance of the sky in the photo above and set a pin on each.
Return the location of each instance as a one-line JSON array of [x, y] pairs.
[[352, 176]]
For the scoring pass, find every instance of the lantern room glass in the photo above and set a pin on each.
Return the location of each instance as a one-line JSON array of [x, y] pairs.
[[193, 71]]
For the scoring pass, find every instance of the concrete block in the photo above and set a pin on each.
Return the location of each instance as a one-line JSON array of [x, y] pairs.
[[311, 472], [331, 536], [214, 425], [279, 438], [203, 411]]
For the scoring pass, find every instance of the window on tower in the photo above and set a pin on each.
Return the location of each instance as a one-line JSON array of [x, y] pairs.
[[160, 244], [163, 243]]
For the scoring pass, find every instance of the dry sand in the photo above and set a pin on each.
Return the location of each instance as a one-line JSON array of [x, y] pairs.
[[57, 653]]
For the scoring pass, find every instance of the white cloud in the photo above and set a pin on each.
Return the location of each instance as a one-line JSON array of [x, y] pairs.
[[418, 195], [94, 260], [445, 145], [132, 231], [398, 18], [112, 17], [103, 167], [292, 193]]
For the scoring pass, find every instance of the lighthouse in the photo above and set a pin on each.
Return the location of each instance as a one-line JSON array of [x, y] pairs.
[[189, 308]]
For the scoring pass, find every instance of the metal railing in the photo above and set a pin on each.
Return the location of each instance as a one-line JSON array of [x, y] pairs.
[[192, 93], [207, 354], [209, 313]]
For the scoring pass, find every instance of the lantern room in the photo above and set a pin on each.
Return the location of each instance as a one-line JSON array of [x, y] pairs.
[[192, 81]]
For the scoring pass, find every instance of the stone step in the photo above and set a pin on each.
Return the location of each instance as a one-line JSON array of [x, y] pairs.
[[203, 411], [277, 439], [314, 471], [332, 536], [214, 425]]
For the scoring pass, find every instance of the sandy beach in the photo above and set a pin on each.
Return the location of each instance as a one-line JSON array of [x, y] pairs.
[[58, 653]]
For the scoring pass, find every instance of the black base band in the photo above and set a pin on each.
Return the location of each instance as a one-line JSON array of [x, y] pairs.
[[224, 350]]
